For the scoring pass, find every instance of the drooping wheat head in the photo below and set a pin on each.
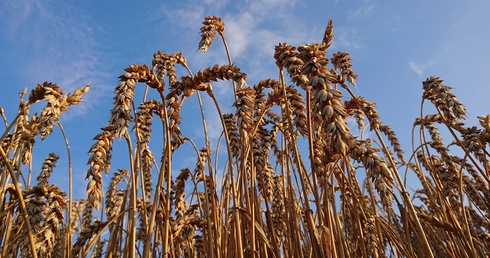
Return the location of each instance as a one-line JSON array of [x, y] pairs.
[[212, 24], [296, 181]]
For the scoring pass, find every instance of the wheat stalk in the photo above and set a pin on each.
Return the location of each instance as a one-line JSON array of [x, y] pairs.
[[293, 181]]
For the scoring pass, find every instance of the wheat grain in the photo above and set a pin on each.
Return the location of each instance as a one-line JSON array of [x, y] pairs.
[[121, 112], [2, 113], [244, 112], [99, 249], [85, 236], [159, 64], [147, 159], [87, 216], [298, 110], [386, 129], [230, 124], [57, 104], [327, 36], [200, 164], [49, 236], [143, 131], [112, 205], [376, 169], [372, 239], [47, 168], [223, 72], [351, 196], [179, 188], [77, 207], [440, 95], [287, 57], [278, 213], [342, 62], [264, 171], [212, 24], [99, 160], [144, 208]]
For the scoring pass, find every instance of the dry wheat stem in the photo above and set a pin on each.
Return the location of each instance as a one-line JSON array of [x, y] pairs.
[[300, 167], [237, 233], [21, 201], [350, 202]]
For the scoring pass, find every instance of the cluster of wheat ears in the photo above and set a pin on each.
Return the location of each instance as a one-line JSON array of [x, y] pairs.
[[293, 181]]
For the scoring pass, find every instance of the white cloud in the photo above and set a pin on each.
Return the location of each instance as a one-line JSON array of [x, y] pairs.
[[270, 7], [252, 31], [15, 12], [420, 68], [213, 124], [394, 24], [58, 46], [239, 31], [346, 39], [187, 17], [417, 68], [188, 14], [362, 12], [242, 25]]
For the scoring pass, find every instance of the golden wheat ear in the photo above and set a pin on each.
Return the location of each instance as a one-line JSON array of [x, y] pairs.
[[212, 24], [293, 181]]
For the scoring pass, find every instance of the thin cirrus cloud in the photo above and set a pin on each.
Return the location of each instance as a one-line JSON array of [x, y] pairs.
[[420, 68], [252, 31], [242, 24], [14, 13], [55, 44], [347, 39], [364, 11]]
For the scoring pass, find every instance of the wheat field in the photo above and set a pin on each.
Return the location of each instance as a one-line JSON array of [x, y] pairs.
[[292, 179]]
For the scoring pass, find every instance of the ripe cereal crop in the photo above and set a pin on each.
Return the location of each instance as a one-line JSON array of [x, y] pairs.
[[286, 177]]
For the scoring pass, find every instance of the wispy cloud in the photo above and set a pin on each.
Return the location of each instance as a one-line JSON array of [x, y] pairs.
[[362, 12], [15, 12], [420, 68], [252, 30], [187, 17], [243, 26], [239, 32], [271, 8], [57, 45], [347, 39], [394, 24]]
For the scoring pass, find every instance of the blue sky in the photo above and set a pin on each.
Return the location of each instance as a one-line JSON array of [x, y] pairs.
[[394, 45]]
